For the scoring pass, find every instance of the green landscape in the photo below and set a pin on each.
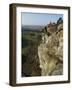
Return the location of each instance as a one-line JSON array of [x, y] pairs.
[[30, 42]]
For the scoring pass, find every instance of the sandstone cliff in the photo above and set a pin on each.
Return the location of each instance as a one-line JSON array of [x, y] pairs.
[[50, 51]]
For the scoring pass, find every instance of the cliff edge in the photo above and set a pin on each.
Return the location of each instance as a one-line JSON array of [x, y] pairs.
[[50, 50]]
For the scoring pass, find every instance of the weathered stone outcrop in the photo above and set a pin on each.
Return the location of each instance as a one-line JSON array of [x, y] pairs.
[[50, 53]]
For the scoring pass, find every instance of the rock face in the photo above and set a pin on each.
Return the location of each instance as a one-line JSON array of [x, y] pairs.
[[50, 52]]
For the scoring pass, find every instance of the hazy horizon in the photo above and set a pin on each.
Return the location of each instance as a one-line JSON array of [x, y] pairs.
[[40, 19]]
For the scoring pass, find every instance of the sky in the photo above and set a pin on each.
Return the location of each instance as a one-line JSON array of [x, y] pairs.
[[39, 18]]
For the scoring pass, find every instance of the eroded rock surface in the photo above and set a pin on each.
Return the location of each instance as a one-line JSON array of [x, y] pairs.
[[50, 53]]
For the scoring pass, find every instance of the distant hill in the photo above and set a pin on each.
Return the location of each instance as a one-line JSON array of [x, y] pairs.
[[32, 28]]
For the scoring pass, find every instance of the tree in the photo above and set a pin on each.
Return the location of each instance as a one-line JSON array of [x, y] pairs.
[[59, 20]]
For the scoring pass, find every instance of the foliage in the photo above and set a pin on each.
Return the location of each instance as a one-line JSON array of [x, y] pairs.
[[30, 60]]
